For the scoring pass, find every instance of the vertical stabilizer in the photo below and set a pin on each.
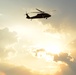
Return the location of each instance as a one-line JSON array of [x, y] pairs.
[[27, 16]]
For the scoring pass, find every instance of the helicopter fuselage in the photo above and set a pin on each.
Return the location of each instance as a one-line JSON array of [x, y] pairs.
[[40, 15]]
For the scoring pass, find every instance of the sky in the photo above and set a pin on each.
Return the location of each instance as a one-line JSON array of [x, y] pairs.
[[39, 46]]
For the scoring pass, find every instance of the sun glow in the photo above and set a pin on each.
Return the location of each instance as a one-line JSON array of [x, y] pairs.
[[54, 48], [47, 50]]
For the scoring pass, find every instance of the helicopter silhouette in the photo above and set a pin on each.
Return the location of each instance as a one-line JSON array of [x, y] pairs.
[[41, 14]]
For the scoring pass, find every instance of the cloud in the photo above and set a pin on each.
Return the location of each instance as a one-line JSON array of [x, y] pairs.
[[65, 70], [72, 48], [9, 69], [64, 57], [67, 65], [69, 60], [7, 38], [37, 52]]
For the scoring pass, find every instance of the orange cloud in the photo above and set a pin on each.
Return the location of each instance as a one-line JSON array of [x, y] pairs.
[[2, 73]]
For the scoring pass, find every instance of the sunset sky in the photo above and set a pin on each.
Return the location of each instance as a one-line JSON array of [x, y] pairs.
[[40, 46]]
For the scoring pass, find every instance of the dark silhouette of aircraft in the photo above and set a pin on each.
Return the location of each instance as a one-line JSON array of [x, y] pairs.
[[41, 14]]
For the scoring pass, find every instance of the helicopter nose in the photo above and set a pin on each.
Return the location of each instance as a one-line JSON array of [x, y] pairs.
[[49, 15]]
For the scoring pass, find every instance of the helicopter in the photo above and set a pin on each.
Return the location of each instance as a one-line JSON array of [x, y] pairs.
[[41, 14]]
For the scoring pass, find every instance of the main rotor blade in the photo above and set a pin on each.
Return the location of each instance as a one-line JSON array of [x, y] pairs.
[[39, 10], [53, 12], [35, 12]]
